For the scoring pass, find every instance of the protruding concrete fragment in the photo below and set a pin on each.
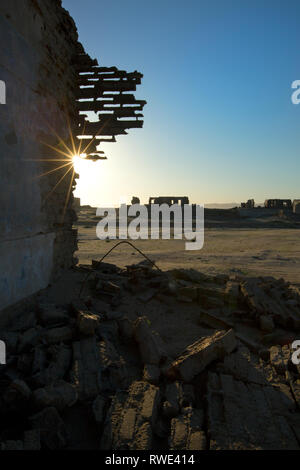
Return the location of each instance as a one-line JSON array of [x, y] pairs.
[[200, 354], [59, 365], [197, 441], [18, 390], [266, 323], [32, 440], [279, 358], [187, 431], [49, 314], [151, 373], [58, 335], [188, 395], [12, 445], [150, 343], [29, 339], [87, 368], [51, 427], [99, 409], [87, 323], [131, 418], [60, 395], [173, 396], [126, 328], [246, 416]]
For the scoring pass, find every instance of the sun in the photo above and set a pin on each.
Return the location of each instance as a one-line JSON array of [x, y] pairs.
[[82, 166]]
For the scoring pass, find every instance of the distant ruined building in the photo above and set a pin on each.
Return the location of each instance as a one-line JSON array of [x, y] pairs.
[[170, 200], [278, 204]]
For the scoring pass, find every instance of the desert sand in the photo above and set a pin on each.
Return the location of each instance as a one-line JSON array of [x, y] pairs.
[[255, 251]]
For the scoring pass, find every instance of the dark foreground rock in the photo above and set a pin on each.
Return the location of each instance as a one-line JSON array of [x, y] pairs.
[[151, 360]]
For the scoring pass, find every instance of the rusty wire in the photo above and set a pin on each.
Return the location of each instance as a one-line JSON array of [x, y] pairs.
[[109, 251]]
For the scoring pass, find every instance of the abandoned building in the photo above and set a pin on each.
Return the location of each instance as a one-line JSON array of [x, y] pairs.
[[296, 206], [50, 84], [278, 204], [135, 200], [250, 204], [138, 358]]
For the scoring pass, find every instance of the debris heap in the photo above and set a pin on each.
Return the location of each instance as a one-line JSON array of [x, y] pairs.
[[101, 372]]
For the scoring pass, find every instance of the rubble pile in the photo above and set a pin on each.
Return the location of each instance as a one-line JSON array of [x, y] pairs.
[[146, 359]]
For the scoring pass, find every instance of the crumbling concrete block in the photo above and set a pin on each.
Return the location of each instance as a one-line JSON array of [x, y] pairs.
[[87, 323], [10, 339], [151, 374], [29, 339], [58, 335], [39, 359], [150, 344], [249, 367], [191, 292], [232, 293], [51, 427], [131, 418], [18, 391], [279, 358], [58, 367], [32, 440], [60, 395], [12, 445], [187, 431], [98, 407], [240, 416], [116, 372], [188, 395], [173, 395], [25, 363], [86, 368], [49, 314], [200, 354], [126, 328], [266, 323]]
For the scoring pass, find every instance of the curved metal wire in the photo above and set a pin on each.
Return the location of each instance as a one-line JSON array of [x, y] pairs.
[[109, 251]]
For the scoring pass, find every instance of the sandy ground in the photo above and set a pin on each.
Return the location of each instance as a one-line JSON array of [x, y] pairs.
[[261, 251]]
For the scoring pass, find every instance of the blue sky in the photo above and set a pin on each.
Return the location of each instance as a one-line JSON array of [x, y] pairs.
[[219, 123]]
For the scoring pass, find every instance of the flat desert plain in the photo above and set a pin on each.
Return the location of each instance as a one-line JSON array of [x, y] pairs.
[[248, 251]]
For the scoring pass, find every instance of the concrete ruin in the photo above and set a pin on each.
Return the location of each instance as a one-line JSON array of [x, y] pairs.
[[170, 200], [250, 204], [278, 204], [124, 359], [49, 82], [296, 206], [151, 360]]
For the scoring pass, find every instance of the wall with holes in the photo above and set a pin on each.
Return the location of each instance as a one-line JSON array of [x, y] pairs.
[[38, 46]]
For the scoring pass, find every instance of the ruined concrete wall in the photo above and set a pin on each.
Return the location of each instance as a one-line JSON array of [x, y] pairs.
[[39, 44]]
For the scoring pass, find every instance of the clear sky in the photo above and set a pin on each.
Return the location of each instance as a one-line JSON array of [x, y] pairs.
[[219, 123]]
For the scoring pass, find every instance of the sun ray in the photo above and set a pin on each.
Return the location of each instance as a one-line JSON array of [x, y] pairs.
[[46, 159], [68, 194], [61, 141], [54, 169], [57, 149], [96, 135], [59, 181]]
